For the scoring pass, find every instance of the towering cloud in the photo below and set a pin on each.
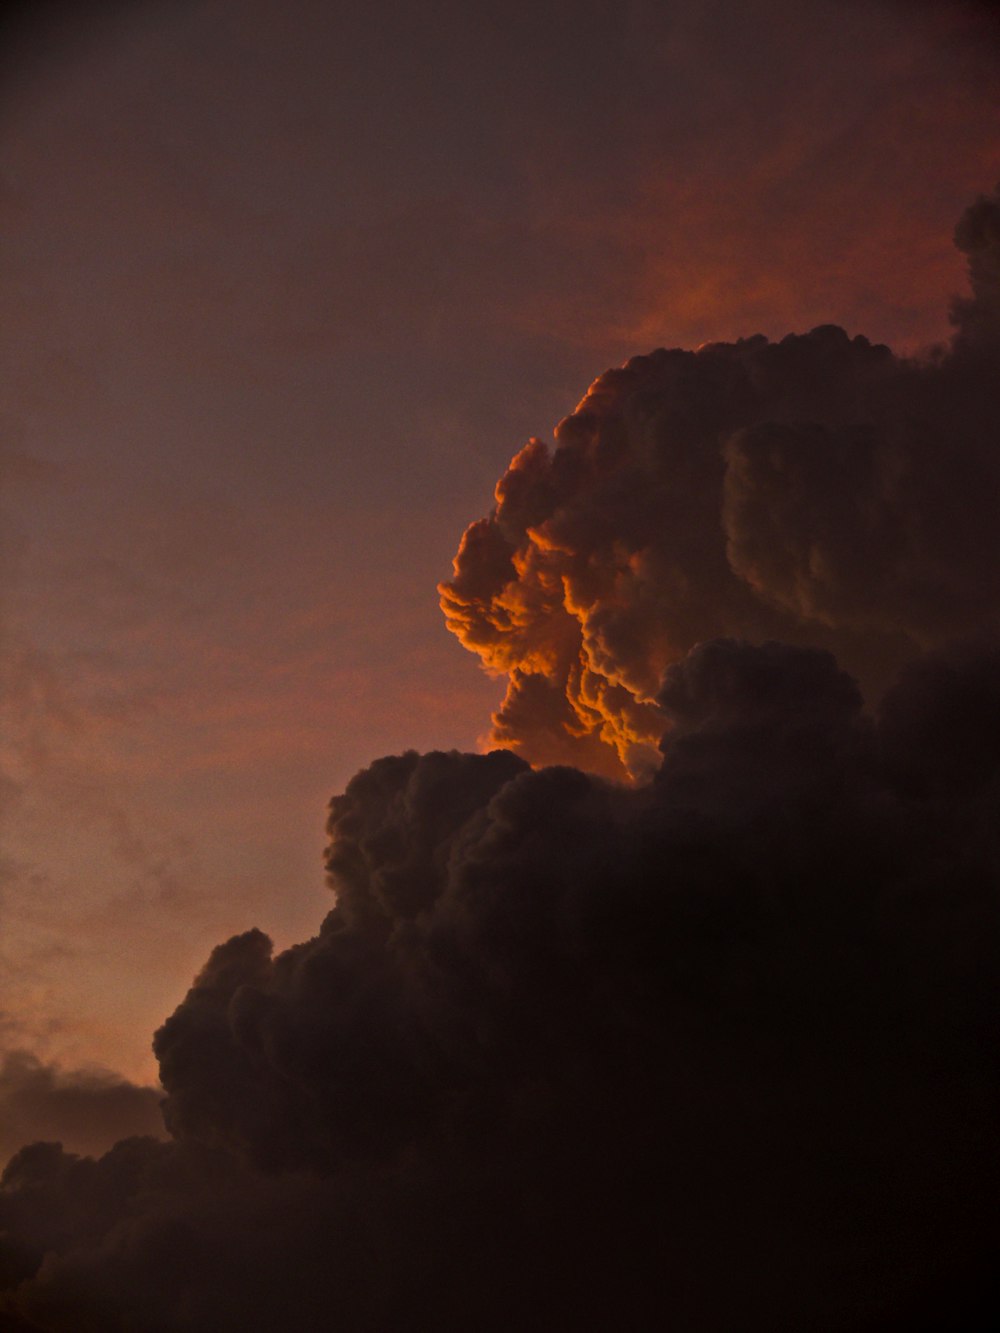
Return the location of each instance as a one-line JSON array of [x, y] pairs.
[[818, 490], [714, 1051]]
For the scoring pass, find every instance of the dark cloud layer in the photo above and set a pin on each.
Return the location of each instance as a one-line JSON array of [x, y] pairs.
[[819, 489], [85, 1109], [714, 1053]]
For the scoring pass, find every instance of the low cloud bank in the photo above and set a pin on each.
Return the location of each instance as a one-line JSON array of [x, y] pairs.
[[716, 1052], [85, 1109]]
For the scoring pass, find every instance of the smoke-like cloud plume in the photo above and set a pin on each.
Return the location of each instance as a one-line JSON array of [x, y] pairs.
[[816, 490], [715, 1051]]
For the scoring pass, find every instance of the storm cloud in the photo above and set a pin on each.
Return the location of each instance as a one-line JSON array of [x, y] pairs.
[[712, 1050], [818, 490]]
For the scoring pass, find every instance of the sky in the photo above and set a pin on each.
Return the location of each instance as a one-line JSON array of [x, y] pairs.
[[285, 287]]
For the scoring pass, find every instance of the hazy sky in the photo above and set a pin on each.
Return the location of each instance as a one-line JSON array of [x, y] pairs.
[[284, 287]]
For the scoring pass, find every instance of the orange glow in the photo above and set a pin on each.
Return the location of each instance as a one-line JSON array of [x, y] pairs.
[[533, 624]]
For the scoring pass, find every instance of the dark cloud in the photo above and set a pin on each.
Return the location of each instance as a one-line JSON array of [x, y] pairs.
[[715, 1052], [87, 1110], [793, 489], [978, 237]]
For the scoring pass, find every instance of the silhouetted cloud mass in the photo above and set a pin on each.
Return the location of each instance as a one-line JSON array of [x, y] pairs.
[[711, 1051]]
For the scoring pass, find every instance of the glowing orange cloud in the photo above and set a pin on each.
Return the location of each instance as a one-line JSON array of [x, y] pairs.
[[790, 490]]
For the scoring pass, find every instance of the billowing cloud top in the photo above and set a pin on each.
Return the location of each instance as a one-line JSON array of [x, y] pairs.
[[817, 490], [715, 1051]]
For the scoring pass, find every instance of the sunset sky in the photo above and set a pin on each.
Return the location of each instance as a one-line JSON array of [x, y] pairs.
[[636, 968], [285, 286]]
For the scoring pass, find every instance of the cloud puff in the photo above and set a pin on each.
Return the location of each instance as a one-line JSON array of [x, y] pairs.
[[796, 490], [714, 1052]]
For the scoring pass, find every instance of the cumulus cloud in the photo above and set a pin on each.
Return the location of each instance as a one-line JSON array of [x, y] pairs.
[[816, 490], [711, 1051], [714, 1052]]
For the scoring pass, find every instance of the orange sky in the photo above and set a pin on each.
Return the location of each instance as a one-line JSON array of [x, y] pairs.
[[281, 297]]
